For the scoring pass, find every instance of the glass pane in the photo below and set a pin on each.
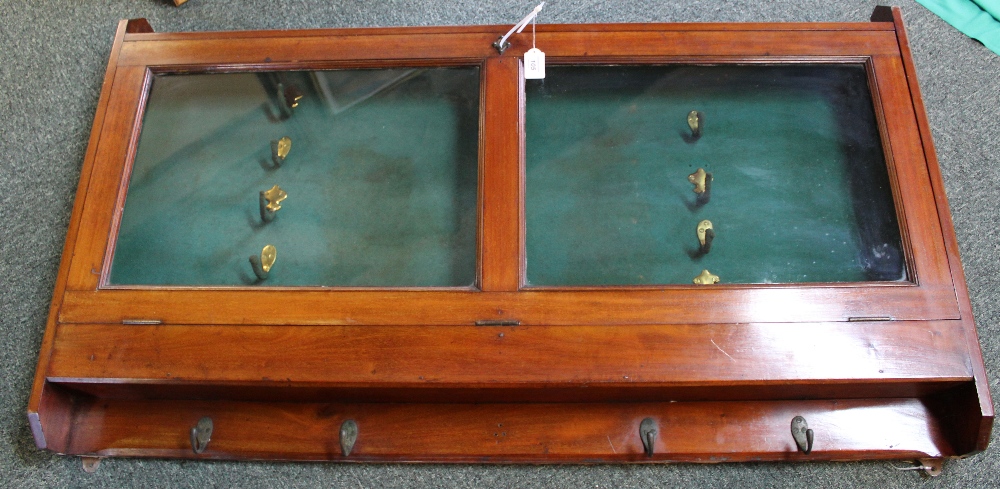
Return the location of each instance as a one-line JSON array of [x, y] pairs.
[[797, 189], [380, 180]]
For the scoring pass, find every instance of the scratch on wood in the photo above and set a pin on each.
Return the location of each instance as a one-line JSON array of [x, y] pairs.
[[720, 349], [612, 445]]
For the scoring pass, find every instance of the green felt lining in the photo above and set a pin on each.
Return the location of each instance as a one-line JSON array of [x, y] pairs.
[[800, 190], [381, 181]]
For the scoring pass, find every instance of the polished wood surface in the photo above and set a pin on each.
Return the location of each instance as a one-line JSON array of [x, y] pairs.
[[975, 428], [506, 356], [35, 401], [880, 370], [618, 41], [491, 433], [501, 192], [669, 304]]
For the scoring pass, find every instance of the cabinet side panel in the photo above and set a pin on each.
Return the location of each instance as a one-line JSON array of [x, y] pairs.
[[37, 391], [980, 432]]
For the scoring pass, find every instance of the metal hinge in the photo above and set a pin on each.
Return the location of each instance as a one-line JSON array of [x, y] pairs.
[[141, 321], [855, 319]]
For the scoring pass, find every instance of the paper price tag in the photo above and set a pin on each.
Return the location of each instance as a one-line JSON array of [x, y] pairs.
[[534, 64]]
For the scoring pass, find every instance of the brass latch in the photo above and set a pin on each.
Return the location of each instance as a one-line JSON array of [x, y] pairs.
[[498, 322]]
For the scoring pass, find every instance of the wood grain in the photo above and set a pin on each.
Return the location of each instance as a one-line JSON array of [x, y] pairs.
[[35, 418], [669, 304], [399, 43], [501, 29], [498, 433], [979, 431], [501, 194], [506, 356], [136, 26], [105, 191]]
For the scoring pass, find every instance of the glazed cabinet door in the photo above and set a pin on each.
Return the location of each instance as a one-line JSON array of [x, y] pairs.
[[418, 178]]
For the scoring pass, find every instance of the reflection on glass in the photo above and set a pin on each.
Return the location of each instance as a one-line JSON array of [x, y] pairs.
[[377, 179], [794, 178]]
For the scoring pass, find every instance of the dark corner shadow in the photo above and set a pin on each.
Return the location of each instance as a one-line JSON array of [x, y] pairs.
[[249, 278], [267, 164], [697, 203], [271, 116], [22, 441], [695, 254], [253, 220]]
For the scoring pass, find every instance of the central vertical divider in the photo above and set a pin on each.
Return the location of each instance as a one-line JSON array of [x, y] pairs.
[[501, 190]]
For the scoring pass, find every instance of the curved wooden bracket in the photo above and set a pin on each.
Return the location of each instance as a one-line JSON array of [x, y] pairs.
[[137, 26]]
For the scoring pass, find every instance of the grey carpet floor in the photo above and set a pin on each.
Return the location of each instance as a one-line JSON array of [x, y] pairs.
[[52, 63]]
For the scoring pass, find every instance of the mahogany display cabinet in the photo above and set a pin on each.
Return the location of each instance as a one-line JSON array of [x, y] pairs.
[[687, 243]]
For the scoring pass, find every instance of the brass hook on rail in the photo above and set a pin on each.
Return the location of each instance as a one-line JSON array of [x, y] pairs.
[[647, 432], [702, 181], [288, 99], [802, 434], [695, 123], [262, 264], [280, 149], [201, 434], [270, 202], [706, 234], [706, 278], [348, 436]]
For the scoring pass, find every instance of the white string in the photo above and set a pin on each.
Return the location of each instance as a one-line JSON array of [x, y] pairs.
[[522, 24], [923, 467]]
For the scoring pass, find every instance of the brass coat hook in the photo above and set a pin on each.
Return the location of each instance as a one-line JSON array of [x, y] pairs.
[[270, 202], [706, 234], [280, 149], [201, 434], [802, 434], [694, 120], [288, 99], [647, 432], [262, 264], [348, 436], [706, 278], [702, 181]]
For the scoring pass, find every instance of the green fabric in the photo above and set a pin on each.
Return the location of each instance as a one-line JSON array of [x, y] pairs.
[[990, 6], [977, 19], [800, 190], [381, 181]]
